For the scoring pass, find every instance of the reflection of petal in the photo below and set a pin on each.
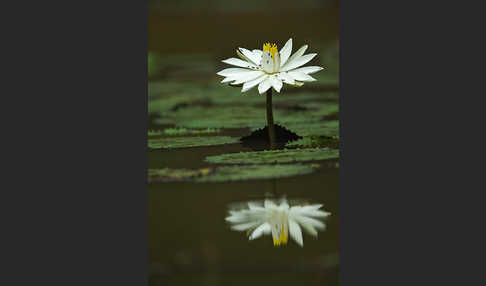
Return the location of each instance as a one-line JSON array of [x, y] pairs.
[[295, 232], [245, 226], [259, 231], [277, 218]]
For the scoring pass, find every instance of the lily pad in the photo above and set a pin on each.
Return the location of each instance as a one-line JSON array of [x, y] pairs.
[[243, 116], [316, 141], [180, 142], [325, 128], [218, 117], [275, 156], [231, 173], [167, 174], [182, 131], [315, 113]]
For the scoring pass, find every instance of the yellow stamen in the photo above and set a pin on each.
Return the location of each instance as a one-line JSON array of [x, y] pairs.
[[272, 48]]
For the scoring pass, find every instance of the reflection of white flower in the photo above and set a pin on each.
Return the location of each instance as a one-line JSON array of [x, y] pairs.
[[279, 220], [269, 68]]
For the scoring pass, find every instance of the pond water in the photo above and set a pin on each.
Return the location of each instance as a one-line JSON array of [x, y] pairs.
[[192, 116]]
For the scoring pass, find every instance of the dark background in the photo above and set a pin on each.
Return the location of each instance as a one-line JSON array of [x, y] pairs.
[[74, 195], [219, 26]]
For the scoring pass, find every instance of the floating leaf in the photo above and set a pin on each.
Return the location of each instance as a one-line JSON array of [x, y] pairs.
[[315, 113], [219, 117], [244, 116], [275, 156], [231, 173], [182, 131], [316, 141], [168, 174], [325, 128], [179, 142]]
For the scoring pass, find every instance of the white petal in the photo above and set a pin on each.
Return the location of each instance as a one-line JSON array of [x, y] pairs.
[[238, 63], [318, 213], [249, 55], [295, 63], [228, 79], [250, 84], [310, 221], [243, 76], [266, 63], [298, 83], [309, 69], [309, 229], [269, 204], [261, 230], [237, 219], [254, 205], [258, 53], [295, 232], [300, 76], [285, 52], [232, 71], [285, 77], [268, 229], [295, 56], [245, 226], [313, 211], [276, 83], [263, 87], [248, 76], [284, 204], [276, 66]]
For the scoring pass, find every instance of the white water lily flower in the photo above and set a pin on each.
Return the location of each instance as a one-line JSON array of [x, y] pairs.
[[278, 220], [269, 68]]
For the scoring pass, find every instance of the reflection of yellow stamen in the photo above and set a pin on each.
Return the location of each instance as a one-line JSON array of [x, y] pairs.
[[282, 238], [272, 49]]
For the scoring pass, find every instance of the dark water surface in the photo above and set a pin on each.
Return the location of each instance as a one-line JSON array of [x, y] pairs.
[[189, 241], [191, 244]]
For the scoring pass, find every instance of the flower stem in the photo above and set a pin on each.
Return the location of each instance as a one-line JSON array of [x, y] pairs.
[[270, 125]]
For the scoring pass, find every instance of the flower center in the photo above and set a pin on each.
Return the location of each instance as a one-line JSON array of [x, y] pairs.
[[270, 58]]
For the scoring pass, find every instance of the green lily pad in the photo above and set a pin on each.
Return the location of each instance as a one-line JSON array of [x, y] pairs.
[[231, 173], [316, 141], [326, 128], [182, 131], [165, 97], [167, 174], [275, 156], [217, 117], [243, 116], [180, 142], [315, 113]]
